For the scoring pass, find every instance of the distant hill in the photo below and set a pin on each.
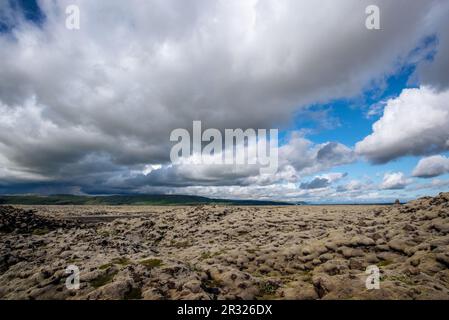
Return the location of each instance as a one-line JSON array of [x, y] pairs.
[[64, 199]]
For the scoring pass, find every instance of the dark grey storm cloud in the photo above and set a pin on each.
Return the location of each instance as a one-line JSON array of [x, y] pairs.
[[434, 71], [315, 184]]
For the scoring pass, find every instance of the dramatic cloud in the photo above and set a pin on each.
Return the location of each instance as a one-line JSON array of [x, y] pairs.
[[415, 123], [92, 109], [125, 79], [308, 158], [395, 180], [186, 172], [316, 183], [322, 181], [434, 71], [431, 167]]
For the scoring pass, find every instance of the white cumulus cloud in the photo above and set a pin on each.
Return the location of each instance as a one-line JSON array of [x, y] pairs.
[[415, 123], [431, 167], [395, 180]]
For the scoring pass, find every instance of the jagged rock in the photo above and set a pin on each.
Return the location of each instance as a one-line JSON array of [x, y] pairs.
[[323, 285], [26, 221], [443, 258]]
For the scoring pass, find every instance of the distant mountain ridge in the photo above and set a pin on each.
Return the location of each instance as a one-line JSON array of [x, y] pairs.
[[150, 199]]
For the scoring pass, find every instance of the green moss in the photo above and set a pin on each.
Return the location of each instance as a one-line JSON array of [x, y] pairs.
[[220, 252], [104, 233], [122, 261], [306, 273], [401, 278], [205, 255], [103, 279], [133, 294], [151, 263], [73, 261], [40, 231], [384, 263], [106, 266], [307, 276], [268, 288]]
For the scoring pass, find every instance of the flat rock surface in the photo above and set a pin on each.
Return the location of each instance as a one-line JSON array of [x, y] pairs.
[[220, 252]]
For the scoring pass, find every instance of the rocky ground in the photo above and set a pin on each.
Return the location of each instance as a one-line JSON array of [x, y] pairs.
[[218, 252]]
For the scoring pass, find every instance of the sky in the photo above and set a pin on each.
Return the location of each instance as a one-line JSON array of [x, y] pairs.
[[363, 115]]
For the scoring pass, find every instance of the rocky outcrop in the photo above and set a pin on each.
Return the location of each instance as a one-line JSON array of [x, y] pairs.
[[27, 221]]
